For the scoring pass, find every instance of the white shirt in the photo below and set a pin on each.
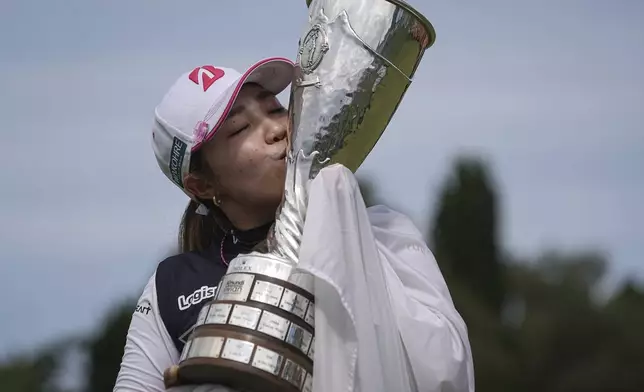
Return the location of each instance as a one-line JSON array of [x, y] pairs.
[[384, 318]]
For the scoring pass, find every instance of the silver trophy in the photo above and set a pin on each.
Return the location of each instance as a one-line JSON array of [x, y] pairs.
[[354, 64]]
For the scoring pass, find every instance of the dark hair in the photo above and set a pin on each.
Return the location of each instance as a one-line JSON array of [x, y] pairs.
[[196, 231]]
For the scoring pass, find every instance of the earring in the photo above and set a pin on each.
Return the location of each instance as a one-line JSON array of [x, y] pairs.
[[216, 201]]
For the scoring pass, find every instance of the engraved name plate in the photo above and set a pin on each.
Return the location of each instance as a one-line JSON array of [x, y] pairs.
[[237, 350], [293, 373], [266, 292], [218, 313], [294, 303], [267, 360], [245, 316], [206, 346], [299, 337], [273, 325]]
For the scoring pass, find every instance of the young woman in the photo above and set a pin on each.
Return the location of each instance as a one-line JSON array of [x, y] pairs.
[[220, 136]]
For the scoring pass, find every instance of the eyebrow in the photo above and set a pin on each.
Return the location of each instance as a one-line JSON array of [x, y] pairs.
[[240, 108]]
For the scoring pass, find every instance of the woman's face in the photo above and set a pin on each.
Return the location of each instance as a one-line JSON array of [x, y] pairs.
[[247, 154]]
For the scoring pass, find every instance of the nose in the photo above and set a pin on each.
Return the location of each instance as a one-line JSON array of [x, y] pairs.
[[275, 130]]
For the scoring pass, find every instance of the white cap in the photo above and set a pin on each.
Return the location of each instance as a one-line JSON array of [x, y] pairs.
[[198, 103]]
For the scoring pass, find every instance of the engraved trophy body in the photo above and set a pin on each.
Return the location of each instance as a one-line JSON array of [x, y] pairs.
[[355, 63]]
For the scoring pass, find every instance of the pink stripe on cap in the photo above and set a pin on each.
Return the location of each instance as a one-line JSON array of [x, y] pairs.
[[231, 101]]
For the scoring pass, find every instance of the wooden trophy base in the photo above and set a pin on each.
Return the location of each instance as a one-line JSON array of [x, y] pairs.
[[268, 366], [200, 371], [257, 335]]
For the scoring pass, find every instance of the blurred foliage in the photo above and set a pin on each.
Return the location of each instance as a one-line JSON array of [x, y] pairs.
[[29, 374], [465, 234], [534, 325], [105, 348]]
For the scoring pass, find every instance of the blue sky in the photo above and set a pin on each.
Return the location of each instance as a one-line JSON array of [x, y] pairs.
[[551, 92]]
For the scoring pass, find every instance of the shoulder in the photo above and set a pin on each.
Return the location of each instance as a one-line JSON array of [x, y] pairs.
[[182, 268], [184, 283], [186, 272]]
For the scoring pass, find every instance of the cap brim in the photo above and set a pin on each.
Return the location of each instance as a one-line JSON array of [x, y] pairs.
[[274, 74]]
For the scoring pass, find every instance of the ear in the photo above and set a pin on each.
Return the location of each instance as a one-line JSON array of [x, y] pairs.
[[199, 186]]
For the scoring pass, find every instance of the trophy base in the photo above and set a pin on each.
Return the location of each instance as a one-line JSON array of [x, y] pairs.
[[248, 363], [257, 334], [200, 371]]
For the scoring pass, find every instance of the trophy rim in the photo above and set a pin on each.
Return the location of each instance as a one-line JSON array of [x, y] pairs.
[[421, 18]]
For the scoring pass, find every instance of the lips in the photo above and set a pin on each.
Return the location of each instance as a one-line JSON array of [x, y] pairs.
[[281, 155]]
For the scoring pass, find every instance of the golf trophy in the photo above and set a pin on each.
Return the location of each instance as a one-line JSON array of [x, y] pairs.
[[355, 62]]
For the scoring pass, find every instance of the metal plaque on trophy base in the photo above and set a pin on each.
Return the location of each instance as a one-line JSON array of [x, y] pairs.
[[355, 62]]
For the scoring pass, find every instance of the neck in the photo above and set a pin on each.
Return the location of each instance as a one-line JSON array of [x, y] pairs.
[[244, 218]]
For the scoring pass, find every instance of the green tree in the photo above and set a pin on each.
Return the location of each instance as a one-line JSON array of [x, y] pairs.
[[464, 238], [37, 371], [105, 348], [560, 331], [465, 233], [28, 374]]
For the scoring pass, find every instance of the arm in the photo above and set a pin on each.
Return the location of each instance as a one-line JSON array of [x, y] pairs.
[[433, 333], [149, 350]]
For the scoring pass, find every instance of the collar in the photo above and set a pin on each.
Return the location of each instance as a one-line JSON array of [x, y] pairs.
[[249, 237], [237, 241]]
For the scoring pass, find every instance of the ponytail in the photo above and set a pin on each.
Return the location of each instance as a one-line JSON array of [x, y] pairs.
[[196, 231]]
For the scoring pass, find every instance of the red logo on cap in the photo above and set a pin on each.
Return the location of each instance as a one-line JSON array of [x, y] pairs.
[[208, 74]]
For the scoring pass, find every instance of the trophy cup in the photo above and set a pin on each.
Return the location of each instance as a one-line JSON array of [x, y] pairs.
[[354, 64]]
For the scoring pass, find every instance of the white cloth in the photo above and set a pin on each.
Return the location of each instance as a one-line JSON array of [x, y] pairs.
[[384, 318]]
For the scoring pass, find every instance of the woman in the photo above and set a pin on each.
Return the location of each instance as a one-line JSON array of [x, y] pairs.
[[221, 137]]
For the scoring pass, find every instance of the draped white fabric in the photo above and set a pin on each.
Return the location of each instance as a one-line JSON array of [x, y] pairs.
[[384, 316]]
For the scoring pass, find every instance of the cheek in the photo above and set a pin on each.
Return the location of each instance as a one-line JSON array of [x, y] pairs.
[[246, 169], [242, 169], [248, 161]]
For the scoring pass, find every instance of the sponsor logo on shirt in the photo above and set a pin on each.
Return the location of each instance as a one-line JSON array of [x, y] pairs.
[[143, 308], [199, 295]]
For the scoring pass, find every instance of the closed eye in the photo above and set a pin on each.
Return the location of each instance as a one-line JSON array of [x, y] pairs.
[[240, 130]]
